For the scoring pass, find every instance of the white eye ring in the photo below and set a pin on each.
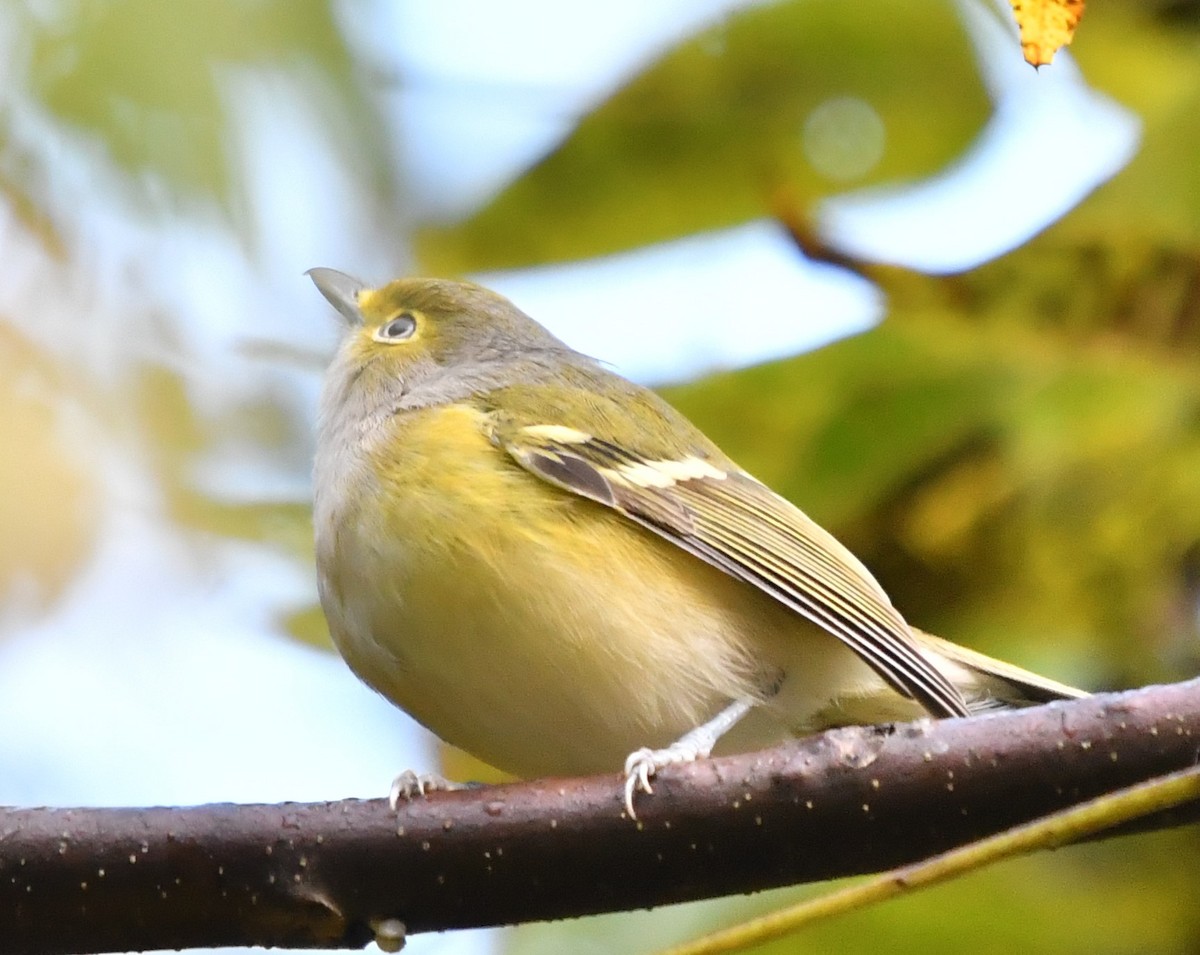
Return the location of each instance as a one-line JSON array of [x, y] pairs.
[[397, 329]]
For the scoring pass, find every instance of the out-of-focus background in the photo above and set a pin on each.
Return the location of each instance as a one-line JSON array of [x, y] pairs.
[[995, 403]]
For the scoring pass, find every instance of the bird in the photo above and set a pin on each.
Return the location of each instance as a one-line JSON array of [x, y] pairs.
[[551, 568]]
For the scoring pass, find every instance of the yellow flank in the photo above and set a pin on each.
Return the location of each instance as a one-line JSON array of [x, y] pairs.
[[532, 629]]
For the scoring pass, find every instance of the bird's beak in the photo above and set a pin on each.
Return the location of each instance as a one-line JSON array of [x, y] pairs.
[[341, 291]]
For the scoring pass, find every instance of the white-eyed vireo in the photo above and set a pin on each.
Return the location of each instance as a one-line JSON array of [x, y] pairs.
[[554, 570]]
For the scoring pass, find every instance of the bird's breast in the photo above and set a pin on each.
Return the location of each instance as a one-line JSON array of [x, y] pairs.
[[540, 631]]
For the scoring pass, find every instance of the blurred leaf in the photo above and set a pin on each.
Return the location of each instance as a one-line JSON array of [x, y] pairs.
[[704, 136], [1149, 63], [29, 213], [151, 79], [178, 440], [459, 765], [48, 490], [308, 626], [1003, 482]]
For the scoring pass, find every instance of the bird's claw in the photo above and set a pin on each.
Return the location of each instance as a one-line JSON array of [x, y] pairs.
[[639, 767], [643, 763], [408, 785]]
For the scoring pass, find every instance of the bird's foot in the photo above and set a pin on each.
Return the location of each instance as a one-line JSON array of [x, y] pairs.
[[643, 763], [696, 744], [408, 785]]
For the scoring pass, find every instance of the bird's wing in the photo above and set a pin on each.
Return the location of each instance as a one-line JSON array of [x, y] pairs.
[[723, 516]]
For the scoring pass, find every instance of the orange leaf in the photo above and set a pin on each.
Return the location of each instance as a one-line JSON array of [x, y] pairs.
[[1046, 25]]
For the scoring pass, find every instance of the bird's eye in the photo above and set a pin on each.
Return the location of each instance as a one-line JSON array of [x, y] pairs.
[[398, 328]]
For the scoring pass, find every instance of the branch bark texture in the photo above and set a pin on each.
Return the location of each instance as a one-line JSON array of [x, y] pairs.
[[321, 875]]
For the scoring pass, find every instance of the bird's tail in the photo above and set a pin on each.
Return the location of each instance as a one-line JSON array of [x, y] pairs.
[[987, 683]]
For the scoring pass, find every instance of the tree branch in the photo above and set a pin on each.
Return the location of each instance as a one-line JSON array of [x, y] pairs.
[[320, 875]]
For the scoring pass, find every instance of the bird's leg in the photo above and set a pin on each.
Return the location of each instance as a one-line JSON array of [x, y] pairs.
[[693, 745]]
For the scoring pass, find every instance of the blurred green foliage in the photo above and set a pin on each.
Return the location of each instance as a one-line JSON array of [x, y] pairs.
[[1015, 451], [707, 134], [150, 80]]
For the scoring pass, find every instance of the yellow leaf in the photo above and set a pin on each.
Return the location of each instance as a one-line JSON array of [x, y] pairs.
[[1046, 26]]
